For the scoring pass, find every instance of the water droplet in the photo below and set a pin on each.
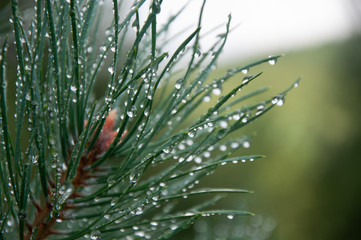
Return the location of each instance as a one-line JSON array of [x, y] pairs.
[[246, 79], [135, 228], [178, 84], [95, 235], [206, 154], [206, 99], [130, 114], [146, 113], [113, 202], [280, 102], [167, 150], [34, 159], [132, 177], [223, 148], [216, 91], [234, 145], [272, 61], [198, 160], [139, 211], [246, 144], [154, 223], [10, 222], [198, 52], [260, 109], [139, 233], [223, 124], [110, 70], [189, 159], [192, 133], [274, 100]]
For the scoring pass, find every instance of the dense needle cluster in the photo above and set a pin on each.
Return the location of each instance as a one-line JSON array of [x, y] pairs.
[[74, 167]]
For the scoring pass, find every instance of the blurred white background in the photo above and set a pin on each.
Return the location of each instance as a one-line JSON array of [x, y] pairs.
[[265, 27]]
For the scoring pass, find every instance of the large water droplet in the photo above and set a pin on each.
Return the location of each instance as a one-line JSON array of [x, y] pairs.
[[34, 159], [173, 227], [139, 211], [234, 145], [113, 202], [274, 100], [260, 109], [206, 99], [198, 52], [272, 61], [246, 79], [130, 114], [167, 150], [246, 144], [95, 235], [73, 88], [280, 102], [191, 133], [139, 233], [216, 91], [223, 124], [198, 160], [223, 148], [178, 84], [110, 70]]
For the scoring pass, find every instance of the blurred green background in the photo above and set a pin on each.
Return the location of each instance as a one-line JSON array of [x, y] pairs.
[[309, 185]]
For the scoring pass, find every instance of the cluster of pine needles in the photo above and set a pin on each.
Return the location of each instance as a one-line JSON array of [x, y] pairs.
[[73, 166]]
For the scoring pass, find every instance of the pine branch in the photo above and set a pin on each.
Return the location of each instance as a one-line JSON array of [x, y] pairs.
[[121, 165]]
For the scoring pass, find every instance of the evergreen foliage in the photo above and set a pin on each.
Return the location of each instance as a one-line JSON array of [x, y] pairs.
[[114, 168]]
